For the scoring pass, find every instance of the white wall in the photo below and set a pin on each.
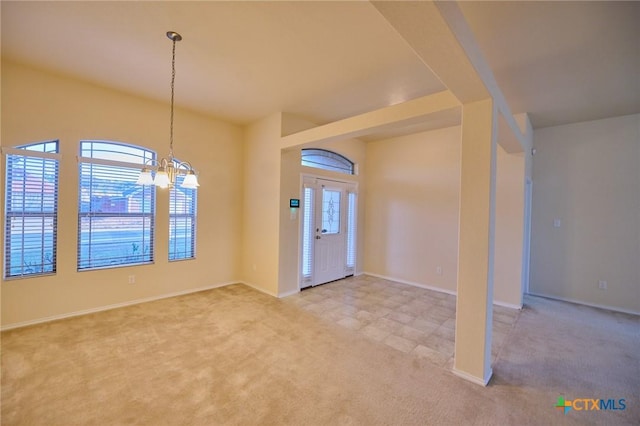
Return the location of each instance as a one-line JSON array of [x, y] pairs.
[[509, 236], [39, 106], [587, 175]]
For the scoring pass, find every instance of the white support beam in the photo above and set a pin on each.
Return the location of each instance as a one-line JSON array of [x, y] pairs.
[[507, 139], [406, 113], [455, 19], [476, 242], [440, 36], [425, 30]]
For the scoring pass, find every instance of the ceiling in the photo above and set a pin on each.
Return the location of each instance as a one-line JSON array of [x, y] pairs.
[[561, 62]]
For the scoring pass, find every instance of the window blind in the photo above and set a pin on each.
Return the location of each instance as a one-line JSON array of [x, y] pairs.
[[308, 233], [31, 209], [351, 232], [116, 217], [182, 221]]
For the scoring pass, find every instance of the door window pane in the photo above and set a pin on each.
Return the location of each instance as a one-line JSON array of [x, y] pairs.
[[330, 211]]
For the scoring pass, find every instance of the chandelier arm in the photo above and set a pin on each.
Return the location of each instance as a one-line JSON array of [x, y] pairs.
[[187, 166], [151, 163]]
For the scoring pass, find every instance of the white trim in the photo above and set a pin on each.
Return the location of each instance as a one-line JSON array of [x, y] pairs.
[[593, 305], [331, 179], [438, 289], [473, 379], [508, 305], [255, 287], [411, 283], [29, 153], [288, 293], [114, 306], [526, 250], [352, 234], [105, 162]]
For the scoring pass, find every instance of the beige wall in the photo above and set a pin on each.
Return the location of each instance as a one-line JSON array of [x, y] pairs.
[[412, 205], [408, 198], [587, 175], [40, 106], [412, 213], [289, 226], [261, 207]]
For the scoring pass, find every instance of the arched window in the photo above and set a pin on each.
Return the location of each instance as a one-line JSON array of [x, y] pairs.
[[116, 216], [327, 160]]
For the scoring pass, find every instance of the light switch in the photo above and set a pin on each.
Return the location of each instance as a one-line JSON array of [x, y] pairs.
[[556, 223]]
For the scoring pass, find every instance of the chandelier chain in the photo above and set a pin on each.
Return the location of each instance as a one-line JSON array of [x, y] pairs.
[[173, 78], [168, 169]]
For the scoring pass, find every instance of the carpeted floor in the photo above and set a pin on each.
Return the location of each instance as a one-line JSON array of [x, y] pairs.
[[236, 356]]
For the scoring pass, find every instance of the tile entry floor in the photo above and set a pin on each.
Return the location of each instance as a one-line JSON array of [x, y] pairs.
[[407, 318]]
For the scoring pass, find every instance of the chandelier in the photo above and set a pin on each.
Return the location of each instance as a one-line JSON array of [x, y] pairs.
[[167, 169]]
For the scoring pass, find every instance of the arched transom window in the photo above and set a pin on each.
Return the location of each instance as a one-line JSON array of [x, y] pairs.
[[327, 160]]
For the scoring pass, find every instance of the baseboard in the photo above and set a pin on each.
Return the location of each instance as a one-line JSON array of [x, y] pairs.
[[411, 283], [508, 305], [439, 289], [474, 379], [288, 293], [255, 287], [582, 302], [113, 306]]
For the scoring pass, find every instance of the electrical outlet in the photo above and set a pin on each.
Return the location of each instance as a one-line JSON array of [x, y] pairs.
[[132, 279], [438, 270], [602, 285]]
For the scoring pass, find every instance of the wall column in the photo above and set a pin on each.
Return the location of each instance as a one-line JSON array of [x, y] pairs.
[[474, 308]]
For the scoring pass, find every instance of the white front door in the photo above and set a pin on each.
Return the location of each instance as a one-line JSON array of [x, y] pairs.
[[330, 239], [328, 231]]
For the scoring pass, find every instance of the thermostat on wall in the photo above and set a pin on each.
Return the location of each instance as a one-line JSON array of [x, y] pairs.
[[294, 203]]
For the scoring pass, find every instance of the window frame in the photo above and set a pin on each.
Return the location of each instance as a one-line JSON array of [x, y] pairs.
[[324, 158], [122, 169], [352, 230], [175, 189], [308, 233], [48, 152]]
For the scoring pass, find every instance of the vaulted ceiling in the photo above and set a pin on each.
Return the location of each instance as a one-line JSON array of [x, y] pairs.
[[561, 62]]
